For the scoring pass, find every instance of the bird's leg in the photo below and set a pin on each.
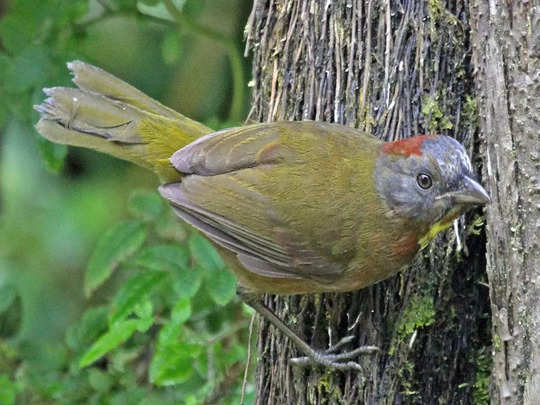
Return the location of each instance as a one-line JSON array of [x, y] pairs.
[[312, 357]]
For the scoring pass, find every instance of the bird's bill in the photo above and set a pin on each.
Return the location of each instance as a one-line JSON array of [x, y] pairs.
[[471, 193]]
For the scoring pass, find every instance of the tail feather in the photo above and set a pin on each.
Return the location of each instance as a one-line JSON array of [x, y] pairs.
[[109, 115], [93, 79], [90, 114]]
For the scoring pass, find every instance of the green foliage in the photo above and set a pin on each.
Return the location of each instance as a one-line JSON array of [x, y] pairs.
[[419, 313], [221, 284], [163, 279], [181, 311], [477, 225], [483, 375], [133, 292], [205, 255], [86, 331], [33, 36], [221, 287], [172, 362], [149, 329], [144, 205], [117, 334], [170, 257], [437, 121], [10, 310], [154, 332], [157, 312], [171, 48], [7, 390], [116, 245]]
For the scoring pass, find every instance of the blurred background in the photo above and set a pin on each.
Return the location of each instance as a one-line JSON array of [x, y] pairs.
[[57, 202]]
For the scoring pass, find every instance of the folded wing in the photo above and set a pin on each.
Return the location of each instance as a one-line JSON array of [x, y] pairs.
[[242, 192]]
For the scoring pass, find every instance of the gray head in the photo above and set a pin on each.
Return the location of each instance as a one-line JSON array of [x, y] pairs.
[[427, 178]]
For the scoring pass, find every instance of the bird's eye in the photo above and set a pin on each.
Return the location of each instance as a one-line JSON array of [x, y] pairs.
[[424, 180]]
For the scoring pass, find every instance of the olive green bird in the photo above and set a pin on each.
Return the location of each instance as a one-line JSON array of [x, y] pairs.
[[293, 207]]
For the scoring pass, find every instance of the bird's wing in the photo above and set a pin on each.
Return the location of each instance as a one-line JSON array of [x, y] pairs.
[[278, 252], [247, 192], [236, 148]]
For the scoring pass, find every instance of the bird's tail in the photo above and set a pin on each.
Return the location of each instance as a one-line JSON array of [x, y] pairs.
[[107, 114]]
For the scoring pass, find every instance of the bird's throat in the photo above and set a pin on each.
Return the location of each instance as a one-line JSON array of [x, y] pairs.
[[439, 226]]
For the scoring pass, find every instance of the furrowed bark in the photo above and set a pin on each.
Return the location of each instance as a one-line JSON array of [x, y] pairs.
[[506, 48], [394, 69]]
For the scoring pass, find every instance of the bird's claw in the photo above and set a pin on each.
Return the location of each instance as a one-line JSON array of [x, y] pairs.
[[339, 361]]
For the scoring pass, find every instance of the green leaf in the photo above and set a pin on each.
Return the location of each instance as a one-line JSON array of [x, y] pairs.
[[145, 205], [92, 324], [205, 254], [29, 68], [220, 283], [173, 360], [145, 311], [181, 311], [168, 227], [99, 380], [74, 10], [16, 31], [221, 287], [10, 311], [191, 400], [169, 334], [171, 47], [7, 390], [163, 257], [193, 8], [133, 292], [126, 4], [117, 244], [158, 9], [187, 281], [171, 366], [52, 154], [116, 335]]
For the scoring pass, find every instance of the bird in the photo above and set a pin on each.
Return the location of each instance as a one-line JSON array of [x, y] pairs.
[[293, 207]]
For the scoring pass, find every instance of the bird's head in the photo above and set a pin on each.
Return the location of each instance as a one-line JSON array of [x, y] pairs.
[[428, 180]]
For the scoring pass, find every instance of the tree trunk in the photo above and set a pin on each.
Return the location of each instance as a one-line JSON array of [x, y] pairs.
[[506, 47], [395, 69]]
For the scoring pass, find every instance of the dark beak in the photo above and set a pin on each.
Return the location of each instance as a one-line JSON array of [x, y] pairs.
[[471, 193]]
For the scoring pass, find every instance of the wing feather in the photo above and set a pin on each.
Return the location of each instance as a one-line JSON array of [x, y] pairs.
[[231, 192], [281, 255], [233, 149]]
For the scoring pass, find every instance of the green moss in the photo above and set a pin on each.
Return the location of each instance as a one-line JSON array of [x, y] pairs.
[[420, 312], [475, 228], [406, 373], [482, 378], [431, 109], [497, 341], [326, 385], [470, 109], [438, 14]]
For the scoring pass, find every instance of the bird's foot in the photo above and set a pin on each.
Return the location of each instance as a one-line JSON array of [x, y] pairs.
[[328, 358]]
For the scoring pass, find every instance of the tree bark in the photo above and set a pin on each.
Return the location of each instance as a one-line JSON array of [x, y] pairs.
[[394, 69], [506, 47]]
